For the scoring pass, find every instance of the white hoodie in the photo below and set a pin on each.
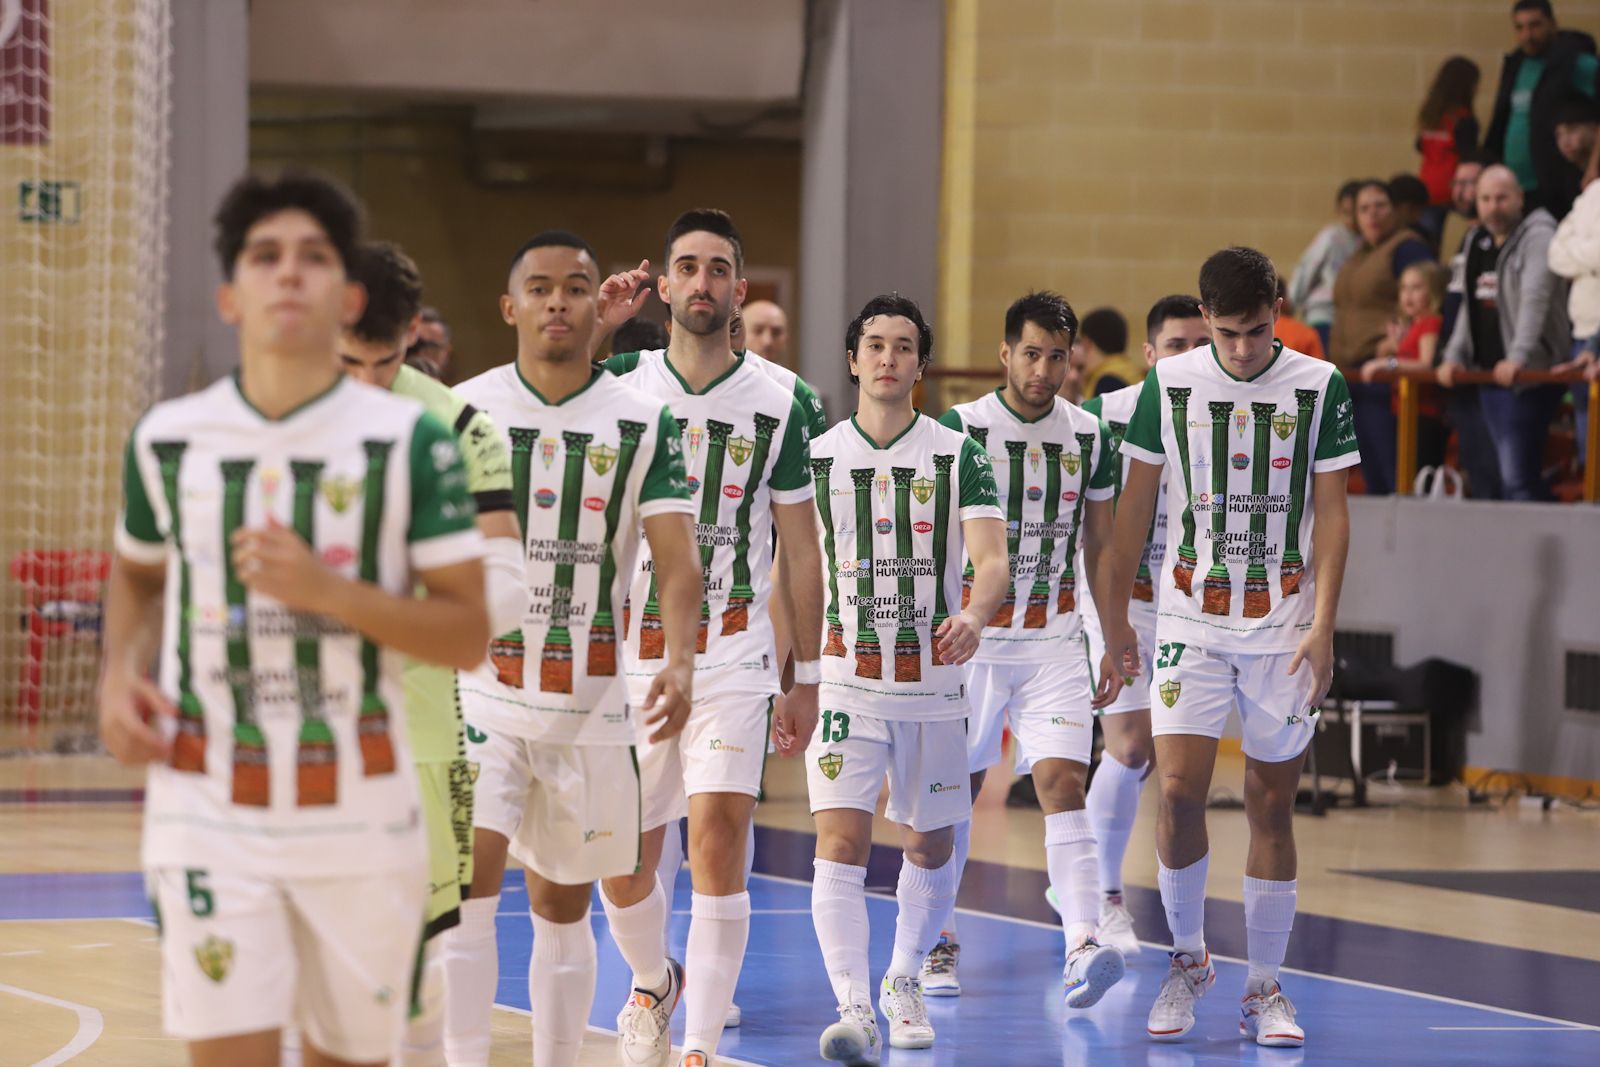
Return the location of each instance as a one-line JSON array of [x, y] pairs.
[[1575, 254]]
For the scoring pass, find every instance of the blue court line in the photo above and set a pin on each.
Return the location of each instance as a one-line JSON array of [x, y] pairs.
[[85, 895], [1011, 1011], [71, 796], [1522, 980]]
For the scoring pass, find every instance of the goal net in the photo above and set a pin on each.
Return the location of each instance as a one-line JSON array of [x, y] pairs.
[[83, 172]]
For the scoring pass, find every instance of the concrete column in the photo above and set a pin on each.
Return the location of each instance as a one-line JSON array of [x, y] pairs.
[[870, 185], [210, 148]]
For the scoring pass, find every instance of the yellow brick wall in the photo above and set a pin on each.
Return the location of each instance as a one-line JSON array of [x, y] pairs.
[[1104, 148]]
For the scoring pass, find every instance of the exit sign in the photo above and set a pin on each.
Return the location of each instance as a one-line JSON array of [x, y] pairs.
[[49, 201]]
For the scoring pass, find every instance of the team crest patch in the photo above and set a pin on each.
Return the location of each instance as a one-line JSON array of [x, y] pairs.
[[922, 489], [697, 437], [1170, 692], [215, 957], [1033, 458], [831, 765], [339, 492], [1071, 462], [1241, 420], [601, 458], [1283, 425], [547, 450], [740, 448], [883, 487], [270, 479]]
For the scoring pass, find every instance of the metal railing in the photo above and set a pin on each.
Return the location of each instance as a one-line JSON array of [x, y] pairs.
[[1408, 382]]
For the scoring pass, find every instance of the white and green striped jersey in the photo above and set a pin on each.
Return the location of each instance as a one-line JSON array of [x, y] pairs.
[[1046, 470], [291, 755], [747, 450], [810, 403], [891, 531], [585, 473], [434, 719], [1116, 408], [1242, 455]]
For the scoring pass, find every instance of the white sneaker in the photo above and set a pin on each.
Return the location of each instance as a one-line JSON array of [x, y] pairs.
[[1116, 925], [1092, 968], [644, 1027], [901, 1003], [1186, 982], [939, 969], [1269, 1019], [735, 1017], [853, 1040]]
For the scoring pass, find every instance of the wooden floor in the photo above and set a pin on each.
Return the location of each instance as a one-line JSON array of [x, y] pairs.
[[57, 977]]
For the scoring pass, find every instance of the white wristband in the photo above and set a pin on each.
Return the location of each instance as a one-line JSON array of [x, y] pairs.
[[808, 673]]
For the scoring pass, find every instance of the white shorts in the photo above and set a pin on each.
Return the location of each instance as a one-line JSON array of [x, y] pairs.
[[1135, 695], [926, 763], [1047, 705], [333, 956], [1195, 688], [570, 812], [723, 749]]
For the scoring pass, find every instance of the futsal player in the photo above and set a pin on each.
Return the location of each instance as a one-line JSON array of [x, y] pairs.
[[1259, 441]]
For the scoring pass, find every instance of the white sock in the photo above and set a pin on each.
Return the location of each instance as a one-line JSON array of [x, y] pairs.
[[423, 1042], [637, 931], [1113, 806], [958, 855], [560, 989], [1069, 858], [1183, 895], [667, 874], [472, 976], [839, 912], [718, 930], [1268, 918], [925, 896]]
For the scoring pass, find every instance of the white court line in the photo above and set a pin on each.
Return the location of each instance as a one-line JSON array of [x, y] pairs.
[[1568, 1024], [24, 952], [1510, 1029], [95, 944], [721, 1057], [90, 1025]]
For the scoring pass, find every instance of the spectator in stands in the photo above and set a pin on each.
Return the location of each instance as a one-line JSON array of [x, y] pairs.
[[1575, 255], [639, 334], [1412, 343], [766, 330], [1547, 64], [1103, 340], [1410, 199], [435, 330], [1365, 295], [1447, 133], [1463, 409], [1311, 285], [1514, 319], [1291, 331]]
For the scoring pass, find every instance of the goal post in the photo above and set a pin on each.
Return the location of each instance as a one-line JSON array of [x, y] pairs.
[[84, 150]]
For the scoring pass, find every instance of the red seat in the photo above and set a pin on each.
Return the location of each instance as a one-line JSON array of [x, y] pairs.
[[62, 590]]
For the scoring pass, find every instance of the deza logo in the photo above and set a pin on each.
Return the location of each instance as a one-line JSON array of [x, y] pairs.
[[1282, 463], [922, 527], [594, 503], [732, 492]]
